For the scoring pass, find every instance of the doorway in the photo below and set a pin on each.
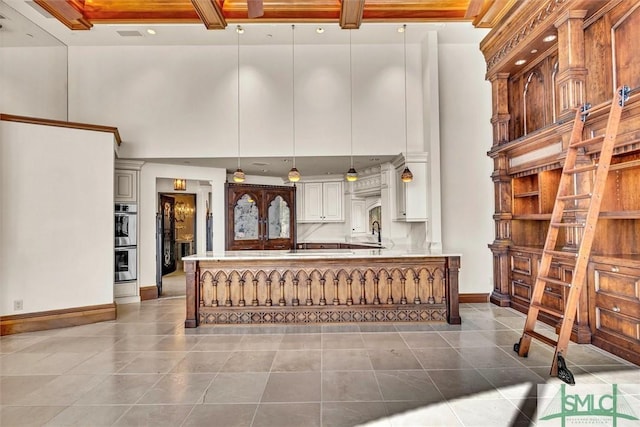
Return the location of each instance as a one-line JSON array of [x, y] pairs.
[[176, 237]]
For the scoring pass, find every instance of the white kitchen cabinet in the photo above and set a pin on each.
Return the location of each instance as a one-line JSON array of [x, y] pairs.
[[411, 197], [322, 202], [358, 216], [125, 185]]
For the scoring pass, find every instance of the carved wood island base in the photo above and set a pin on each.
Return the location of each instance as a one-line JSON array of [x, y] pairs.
[[336, 286]]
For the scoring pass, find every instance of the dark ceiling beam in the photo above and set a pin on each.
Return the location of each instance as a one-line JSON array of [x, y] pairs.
[[351, 12], [66, 13], [210, 13]]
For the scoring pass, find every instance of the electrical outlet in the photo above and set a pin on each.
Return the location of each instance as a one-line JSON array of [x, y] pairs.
[[17, 304]]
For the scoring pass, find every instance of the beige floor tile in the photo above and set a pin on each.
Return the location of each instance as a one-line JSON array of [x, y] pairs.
[[407, 386], [41, 363], [64, 390], [440, 358], [28, 416], [249, 361], [287, 415], [201, 362], [292, 387], [297, 360], [260, 342], [83, 416], [463, 382], [178, 389], [14, 388], [13, 343], [342, 341], [301, 341], [348, 414], [107, 362], [237, 387], [340, 386], [346, 360], [218, 343], [489, 412], [393, 358], [119, 389], [383, 340], [425, 340], [157, 362], [406, 414], [227, 415], [155, 415]]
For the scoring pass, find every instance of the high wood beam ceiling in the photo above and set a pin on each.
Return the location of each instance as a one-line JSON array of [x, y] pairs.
[[216, 14]]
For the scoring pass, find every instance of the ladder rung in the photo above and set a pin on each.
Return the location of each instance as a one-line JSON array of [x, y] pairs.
[[590, 141], [548, 310], [568, 224], [543, 338], [575, 196], [573, 210], [581, 169], [554, 281], [561, 254]]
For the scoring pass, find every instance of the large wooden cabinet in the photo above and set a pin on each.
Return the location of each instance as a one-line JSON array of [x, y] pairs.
[[260, 217], [544, 60]]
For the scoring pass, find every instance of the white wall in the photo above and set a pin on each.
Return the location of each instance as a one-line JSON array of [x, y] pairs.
[[467, 190], [200, 181], [181, 101], [56, 218], [33, 82]]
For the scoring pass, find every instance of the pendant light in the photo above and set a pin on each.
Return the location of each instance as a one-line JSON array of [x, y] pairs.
[[406, 176], [352, 175], [294, 174], [238, 175]]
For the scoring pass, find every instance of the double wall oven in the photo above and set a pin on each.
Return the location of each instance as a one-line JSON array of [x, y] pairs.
[[125, 242]]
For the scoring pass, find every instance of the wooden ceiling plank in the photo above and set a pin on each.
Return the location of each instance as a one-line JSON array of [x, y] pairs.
[[351, 12], [66, 13], [210, 12], [474, 8]]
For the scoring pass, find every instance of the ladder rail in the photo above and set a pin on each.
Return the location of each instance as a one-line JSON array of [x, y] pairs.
[[567, 191]]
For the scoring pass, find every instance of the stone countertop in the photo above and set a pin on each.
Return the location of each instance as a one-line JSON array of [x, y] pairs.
[[317, 254]]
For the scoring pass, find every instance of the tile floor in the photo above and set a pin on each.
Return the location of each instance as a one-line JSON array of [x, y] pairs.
[[145, 369]]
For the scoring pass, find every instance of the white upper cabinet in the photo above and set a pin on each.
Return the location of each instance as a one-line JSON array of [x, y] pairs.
[[411, 197], [321, 202], [125, 185], [358, 216]]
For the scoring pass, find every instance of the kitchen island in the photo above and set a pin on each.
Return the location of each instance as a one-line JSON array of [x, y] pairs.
[[321, 286]]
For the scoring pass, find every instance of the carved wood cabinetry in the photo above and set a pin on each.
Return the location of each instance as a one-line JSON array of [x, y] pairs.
[[260, 217], [544, 60]]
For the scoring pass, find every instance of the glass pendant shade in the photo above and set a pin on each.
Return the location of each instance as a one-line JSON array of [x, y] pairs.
[[238, 175], [352, 175], [406, 176], [179, 184], [294, 175]]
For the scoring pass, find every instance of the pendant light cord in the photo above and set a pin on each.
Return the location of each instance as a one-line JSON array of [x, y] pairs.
[[293, 88], [238, 56], [406, 117], [350, 99]]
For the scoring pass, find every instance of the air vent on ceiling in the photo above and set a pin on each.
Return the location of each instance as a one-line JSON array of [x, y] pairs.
[[39, 9], [129, 33], [260, 164]]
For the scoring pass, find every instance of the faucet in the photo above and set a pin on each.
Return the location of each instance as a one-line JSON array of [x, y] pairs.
[[373, 230]]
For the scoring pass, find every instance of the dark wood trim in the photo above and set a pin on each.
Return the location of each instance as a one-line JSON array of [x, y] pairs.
[[473, 298], [148, 292], [53, 319], [63, 124]]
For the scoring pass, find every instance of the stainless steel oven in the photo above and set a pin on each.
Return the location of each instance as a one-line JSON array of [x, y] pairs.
[[125, 231], [125, 265], [125, 242]]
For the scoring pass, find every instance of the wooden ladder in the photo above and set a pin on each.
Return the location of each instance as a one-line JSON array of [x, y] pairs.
[[569, 213]]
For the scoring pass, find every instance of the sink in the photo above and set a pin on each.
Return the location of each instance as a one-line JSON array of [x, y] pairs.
[[320, 252]]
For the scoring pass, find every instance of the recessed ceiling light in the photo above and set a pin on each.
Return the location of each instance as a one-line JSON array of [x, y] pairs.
[[534, 50], [239, 30], [151, 31], [401, 29], [319, 30], [520, 61], [549, 38]]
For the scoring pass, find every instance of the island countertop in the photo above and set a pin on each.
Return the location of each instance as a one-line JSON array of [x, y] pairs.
[[317, 254], [321, 286]]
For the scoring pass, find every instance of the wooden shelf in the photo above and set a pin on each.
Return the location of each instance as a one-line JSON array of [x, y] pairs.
[[532, 217], [620, 215], [529, 194]]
